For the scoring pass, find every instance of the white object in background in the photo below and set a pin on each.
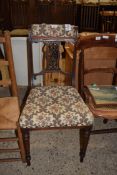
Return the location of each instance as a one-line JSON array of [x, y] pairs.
[[37, 61], [19, 46]]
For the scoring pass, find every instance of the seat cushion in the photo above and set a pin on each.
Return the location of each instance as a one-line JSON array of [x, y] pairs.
[[104, 95], [9, 112], [55, 106]]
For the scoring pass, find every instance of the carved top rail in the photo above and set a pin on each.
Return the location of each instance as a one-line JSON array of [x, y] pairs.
[[106, 39]]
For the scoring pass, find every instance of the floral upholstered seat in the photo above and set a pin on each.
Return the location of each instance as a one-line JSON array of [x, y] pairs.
[[56, 106]]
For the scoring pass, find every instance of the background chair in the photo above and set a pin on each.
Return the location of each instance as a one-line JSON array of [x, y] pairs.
[[100, 96], [58, 106], [9, 104]]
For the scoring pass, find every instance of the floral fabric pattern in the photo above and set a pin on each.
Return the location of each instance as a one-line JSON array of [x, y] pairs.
[[55, 106], [54, 30]]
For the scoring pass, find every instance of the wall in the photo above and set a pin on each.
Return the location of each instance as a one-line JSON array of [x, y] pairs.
[[19, 47]]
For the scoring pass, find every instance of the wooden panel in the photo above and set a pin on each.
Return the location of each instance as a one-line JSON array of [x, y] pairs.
[[55, 12], [89, 17], [4, 14], [19, 13]]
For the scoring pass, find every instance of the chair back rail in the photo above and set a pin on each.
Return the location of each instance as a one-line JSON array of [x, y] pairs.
[[54, 38]]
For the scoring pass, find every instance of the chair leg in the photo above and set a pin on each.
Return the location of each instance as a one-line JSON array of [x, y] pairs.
[[84, 139], [26, 137], [21, 144]]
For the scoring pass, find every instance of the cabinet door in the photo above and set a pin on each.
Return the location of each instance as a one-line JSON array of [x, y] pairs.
[[19, 13]]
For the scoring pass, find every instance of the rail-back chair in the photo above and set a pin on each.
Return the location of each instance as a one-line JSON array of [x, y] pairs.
[[9, 105], [53, 106], [101, 98]]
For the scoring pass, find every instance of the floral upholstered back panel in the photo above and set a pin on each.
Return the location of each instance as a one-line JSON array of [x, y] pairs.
[[54, 30]]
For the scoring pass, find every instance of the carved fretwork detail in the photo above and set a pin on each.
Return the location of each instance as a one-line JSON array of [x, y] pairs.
[[52, 55]]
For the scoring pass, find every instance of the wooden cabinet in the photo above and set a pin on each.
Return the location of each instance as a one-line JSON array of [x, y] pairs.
[[22, 13], [54, 12]]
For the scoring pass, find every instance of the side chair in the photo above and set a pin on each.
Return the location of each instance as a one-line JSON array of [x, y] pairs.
[[100, 96], [53, 106], [9, 106]]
